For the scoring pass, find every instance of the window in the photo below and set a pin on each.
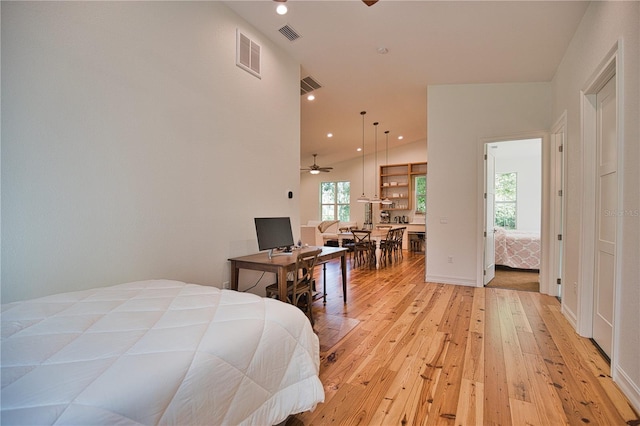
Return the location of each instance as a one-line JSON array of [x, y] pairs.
[[505, 202], [335, 198], [420, 193]]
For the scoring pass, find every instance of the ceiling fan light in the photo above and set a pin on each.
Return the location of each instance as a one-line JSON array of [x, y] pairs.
[[314, 172]]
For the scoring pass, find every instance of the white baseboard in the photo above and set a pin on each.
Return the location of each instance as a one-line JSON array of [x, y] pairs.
[[450, 280], [570, 316], [628, 387]]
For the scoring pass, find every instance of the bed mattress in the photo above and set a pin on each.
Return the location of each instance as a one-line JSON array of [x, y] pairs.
[[157, 352], [517, 249]]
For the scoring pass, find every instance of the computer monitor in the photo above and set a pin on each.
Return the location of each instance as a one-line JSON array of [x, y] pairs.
[[274, 233]]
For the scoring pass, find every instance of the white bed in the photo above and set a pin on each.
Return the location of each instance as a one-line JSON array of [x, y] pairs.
[[517, 249], [157, 352]]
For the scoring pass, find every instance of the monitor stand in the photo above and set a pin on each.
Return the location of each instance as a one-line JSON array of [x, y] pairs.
[[275, 252]]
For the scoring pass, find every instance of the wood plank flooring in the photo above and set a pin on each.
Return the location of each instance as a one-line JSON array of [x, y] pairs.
[[406, 352]]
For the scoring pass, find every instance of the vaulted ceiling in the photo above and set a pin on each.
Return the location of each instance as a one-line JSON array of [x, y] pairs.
[[426, 43]]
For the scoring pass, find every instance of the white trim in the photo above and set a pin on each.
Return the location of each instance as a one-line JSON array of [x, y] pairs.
[[627, 386], [443, 279], [569, 315], [560, 126]]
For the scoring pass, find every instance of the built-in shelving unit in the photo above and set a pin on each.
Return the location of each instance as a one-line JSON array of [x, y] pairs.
[[396, 183]]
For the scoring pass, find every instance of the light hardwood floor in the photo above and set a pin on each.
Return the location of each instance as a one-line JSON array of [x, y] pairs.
[[406, 352]]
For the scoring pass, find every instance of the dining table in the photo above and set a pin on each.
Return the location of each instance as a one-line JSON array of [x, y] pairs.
[[377, 236]]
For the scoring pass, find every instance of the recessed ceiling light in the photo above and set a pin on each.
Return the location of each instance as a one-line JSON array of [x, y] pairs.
[[382, 50], [359, 149], [281, 9], [329, 135], [400, 138]]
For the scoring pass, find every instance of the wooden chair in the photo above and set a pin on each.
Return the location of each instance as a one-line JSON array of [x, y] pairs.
[[363, 248], [397, 243], [387, 246], [302, 283]]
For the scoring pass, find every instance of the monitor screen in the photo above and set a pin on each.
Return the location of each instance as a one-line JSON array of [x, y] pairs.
[[273, 232]]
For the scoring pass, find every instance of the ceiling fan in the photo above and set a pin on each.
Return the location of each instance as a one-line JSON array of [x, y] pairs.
[[315, 169], [367, 2]]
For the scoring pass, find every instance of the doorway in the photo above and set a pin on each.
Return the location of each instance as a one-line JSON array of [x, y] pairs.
[[513, 211]]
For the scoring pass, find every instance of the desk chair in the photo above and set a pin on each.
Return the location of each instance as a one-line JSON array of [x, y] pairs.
[[302, 283]]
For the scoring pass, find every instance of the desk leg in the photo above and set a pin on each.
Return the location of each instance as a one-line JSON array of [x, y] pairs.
[[282, 284], [343, 266], [324, 283], [234, 276]]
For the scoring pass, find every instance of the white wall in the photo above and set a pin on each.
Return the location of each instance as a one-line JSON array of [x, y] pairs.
[[603, 25], [461, 119], [351, 171], [133, 147]]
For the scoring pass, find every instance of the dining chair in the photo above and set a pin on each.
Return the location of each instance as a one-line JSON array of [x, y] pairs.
[[363, 248], [387, 247], [398, 237], [302, 282]]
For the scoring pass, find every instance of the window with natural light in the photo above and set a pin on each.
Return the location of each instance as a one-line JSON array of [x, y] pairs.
[[335, 198], [506, 192], [420, 194]]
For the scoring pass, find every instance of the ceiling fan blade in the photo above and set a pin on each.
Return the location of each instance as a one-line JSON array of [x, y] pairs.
[[370, 2]]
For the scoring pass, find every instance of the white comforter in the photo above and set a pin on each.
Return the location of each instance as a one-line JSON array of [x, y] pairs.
[[157, 352]]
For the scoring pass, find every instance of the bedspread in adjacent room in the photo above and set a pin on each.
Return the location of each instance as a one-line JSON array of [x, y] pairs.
[[517, 249], [157, 352]]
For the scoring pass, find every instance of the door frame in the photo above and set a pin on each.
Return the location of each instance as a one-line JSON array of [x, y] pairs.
[[610, 66], [557, 206], [489, 234], [544, 204]]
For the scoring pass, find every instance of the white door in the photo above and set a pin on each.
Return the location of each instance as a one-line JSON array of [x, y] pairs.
[[489, 221], [606, 217]]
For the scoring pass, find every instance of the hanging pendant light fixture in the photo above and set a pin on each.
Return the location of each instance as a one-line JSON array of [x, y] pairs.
[[376, 199], [386, 200], [363, 198]]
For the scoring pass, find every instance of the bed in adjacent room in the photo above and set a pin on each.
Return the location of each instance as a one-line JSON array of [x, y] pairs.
[[517, 249], [157, 352]]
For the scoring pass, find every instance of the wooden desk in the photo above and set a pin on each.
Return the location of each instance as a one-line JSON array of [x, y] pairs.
[[280, 265]]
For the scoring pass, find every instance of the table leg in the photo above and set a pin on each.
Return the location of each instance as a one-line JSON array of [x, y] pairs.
[[343, 266], [378, 253]]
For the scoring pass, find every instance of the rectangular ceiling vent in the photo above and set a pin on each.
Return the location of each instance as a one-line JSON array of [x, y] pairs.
[[247, 54], [289, 33], [308, 84]]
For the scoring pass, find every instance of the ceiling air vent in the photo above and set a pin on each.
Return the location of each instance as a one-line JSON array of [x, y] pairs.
[[289, 33], [247, 54], [308, 84]]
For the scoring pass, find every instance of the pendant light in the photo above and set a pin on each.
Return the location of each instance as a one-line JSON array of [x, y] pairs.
[[387, 201], [376, 199], [363, 198]]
